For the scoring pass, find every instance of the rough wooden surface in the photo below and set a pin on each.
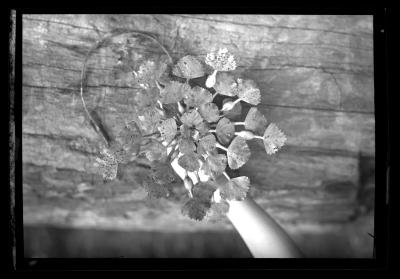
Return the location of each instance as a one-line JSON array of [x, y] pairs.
[[316, 78]]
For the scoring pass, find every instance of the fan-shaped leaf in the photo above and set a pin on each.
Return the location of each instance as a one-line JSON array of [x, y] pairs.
[[235, 113], [274, 139], [192, 118], [206, 144], [255, 121], [189, 67], [215, 164], [209, 112], [221, 60], [170, 110], [173, 92], [248, 92], [189, 162], [203, 128], [168, 129], [150, 120], [163, 173], [156, 151], [238, 153], [235, 189], [203, 191], [197, 96], [225, 130], [186, 145], [226, 84], [196, 209], [185, 131]]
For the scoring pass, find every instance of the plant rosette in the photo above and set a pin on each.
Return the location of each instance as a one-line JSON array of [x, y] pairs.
[[179, 122]]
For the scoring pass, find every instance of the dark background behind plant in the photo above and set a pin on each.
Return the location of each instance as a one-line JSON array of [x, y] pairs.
[[315, 74]]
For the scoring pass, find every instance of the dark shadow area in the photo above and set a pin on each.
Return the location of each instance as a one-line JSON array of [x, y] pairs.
[[52, 242]]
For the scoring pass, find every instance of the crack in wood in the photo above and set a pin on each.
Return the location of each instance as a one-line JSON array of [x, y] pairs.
[[101, 86], [63, 23], [319, 109], [274, 26], [318, 45]]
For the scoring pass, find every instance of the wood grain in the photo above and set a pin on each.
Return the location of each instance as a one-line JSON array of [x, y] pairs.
[[310, 66], [316, 77]]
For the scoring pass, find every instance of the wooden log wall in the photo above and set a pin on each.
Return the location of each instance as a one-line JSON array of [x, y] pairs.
[[316, 78]]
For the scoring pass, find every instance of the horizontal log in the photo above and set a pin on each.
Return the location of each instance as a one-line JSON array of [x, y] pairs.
[[59, 112], [45, 112], [352, 132], [312, 66], [77, 195], [314, 87], [286, 169], [289, 168]]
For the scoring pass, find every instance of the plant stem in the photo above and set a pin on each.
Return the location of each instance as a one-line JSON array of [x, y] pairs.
[[97, 46], [196, 173], [210, 82], [188, 183], [239, 123], [181, 109], [161, 106], [226, 175], [212, 131], [173, 141], [221, 147], [214, 95], [259, 137], [171, 152], [152, 134], [235, 102]]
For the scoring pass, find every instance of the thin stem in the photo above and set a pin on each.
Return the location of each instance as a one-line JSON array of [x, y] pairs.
[[221, 147], [173, 141], [97, 46], [188, 183], [235, 102], [150, 135], [259, 137], [160, 111], [159, 86], [181, 109], [196, 173], [211, 79], [226, 175], [214, 95], [212, 131], [161, 106], [175, 154], [169, 156], [239, 123]]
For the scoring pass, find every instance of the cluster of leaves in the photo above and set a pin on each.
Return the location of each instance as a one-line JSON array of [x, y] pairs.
[[180, 122]]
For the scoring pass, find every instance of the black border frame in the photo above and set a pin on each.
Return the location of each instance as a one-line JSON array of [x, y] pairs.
[[381, 234]]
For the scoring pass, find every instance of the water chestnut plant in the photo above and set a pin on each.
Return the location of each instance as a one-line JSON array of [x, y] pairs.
[[178, 120]]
